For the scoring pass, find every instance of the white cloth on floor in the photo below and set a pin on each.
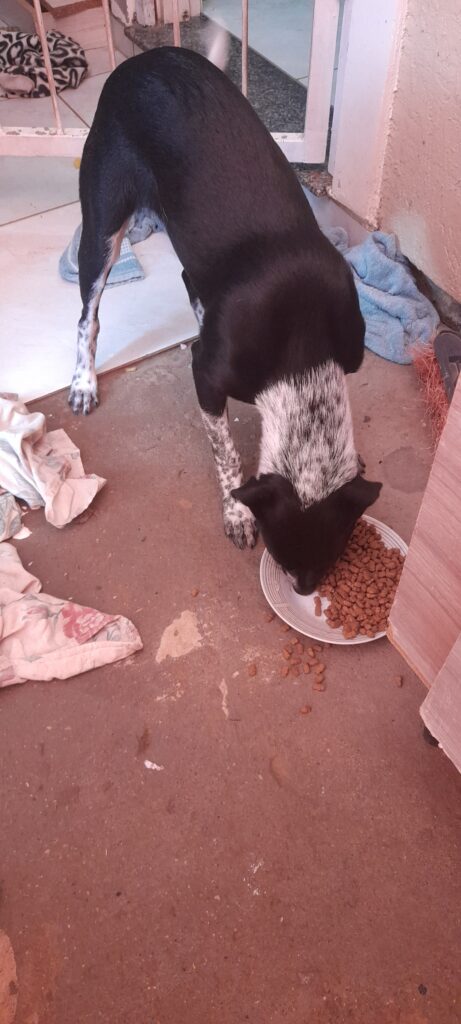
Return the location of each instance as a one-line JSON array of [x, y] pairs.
[[10, 516], [42, 468], [43, 637]]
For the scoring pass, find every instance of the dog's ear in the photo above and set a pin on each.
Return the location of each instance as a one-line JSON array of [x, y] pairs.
[[264, 492], [361, 493]]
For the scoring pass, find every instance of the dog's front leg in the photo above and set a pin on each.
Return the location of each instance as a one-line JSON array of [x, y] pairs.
[[239, 522]]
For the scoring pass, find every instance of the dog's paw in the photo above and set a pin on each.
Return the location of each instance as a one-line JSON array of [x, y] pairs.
[[83, 394], [239, 524]]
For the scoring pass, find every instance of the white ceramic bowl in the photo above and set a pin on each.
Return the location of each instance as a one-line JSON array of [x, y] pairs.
[[298, 611]]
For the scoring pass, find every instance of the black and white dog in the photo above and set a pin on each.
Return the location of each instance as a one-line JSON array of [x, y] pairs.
[[280, 324]]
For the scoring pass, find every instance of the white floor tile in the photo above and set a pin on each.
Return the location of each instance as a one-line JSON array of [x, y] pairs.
[[84, 100], [39, 311], [99, 64], [30, 185], [30, 113]]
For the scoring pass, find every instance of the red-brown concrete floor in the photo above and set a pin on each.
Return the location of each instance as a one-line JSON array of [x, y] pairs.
[[280, 867]]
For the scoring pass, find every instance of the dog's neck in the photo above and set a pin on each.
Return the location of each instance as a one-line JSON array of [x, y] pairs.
[[307, 433]]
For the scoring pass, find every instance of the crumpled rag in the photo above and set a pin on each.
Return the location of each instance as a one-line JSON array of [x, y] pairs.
[[42, 468], [43, 637]]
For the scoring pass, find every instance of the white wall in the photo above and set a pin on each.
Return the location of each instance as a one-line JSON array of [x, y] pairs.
[[421, 183], [396, 143]]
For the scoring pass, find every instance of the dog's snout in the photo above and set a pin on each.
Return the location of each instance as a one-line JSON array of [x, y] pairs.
[[304, 585]]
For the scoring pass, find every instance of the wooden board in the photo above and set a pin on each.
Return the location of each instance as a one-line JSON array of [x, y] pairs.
[[441, 711], [65, 8], [425, 620]]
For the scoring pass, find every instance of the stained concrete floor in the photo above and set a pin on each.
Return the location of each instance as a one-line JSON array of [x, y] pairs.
[[279, 868]]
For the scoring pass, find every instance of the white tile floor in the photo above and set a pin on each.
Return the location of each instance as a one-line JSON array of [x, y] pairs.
[[39, 212], [40, 312], [278, 29]]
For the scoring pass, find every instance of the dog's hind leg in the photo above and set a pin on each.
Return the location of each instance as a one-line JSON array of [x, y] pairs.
[[97, 254], [194, 300], [239, 522]]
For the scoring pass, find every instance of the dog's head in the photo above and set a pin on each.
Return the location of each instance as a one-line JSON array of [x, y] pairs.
[[305, 542]]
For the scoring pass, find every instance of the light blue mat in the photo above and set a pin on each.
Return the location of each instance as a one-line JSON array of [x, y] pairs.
[[127, 268]]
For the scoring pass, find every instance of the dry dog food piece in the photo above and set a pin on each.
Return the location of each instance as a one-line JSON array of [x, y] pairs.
[[286, 628], [306, 668], [285, 671], [318, 647], [398, 680], [195, 592], [319, 668], [252, 670], [362, 584], [286, 654], [305, 710], [299, 647], [319, 684], [318, 605]]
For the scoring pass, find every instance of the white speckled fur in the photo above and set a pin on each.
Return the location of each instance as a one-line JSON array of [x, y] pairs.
[[239, 523], [307, 432]]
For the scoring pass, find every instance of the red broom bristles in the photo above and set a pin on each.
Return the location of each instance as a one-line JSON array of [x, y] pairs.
[[427, 368]]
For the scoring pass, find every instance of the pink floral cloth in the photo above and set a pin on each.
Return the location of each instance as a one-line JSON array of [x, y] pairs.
[[43, 637]]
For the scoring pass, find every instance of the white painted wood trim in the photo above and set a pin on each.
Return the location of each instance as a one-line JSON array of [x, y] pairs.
[[109, 37], [310, 146], [369, 57], [41, 31], [42, 142], [291, 144], [320, 80], [300, 148], [245, 47]]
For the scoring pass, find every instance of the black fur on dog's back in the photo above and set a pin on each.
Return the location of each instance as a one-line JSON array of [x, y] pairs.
[[172, 133]]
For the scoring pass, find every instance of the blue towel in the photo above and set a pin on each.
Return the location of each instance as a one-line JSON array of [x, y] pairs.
[[397, 316], [127, 268]]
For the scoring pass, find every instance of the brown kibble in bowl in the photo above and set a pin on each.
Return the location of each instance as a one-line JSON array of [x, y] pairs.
[[361, 586], [195, 592], [252, 669], [319, 668], [306, 668], [286, 628], [305, 710], [318, 605], [398, 680], [286, 654], [319, 685]]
